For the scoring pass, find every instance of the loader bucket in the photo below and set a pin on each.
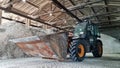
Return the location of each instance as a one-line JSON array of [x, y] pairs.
[[53, 45]]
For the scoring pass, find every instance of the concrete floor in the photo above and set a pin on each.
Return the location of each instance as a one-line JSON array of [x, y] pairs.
[[107, 61]]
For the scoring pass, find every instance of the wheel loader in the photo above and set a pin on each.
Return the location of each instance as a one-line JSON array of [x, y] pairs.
[[85, 39]]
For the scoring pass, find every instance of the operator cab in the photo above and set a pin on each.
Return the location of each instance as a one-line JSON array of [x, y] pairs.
[[85, 29], [79, 31]]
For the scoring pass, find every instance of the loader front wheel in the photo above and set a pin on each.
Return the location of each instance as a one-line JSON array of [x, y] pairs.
[[98, 50], [77, 50]]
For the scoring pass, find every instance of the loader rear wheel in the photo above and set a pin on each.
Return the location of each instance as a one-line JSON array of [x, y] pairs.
[[77, 50], [98, 50]]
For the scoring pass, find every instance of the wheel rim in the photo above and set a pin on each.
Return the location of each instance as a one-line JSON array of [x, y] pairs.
[[80, 50], [100, 49]]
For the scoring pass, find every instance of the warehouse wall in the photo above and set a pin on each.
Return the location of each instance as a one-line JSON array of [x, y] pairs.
[[114, 32], [111, 40], [110, 44]]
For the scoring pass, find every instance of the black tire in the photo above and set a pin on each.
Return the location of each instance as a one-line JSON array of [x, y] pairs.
[[77, 50], [98, 49]]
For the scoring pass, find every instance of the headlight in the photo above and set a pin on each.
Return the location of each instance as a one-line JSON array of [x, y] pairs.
[[81, 32], [75, 37]]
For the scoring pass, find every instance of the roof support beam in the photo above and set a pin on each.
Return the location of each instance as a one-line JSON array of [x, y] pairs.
[[20, 22], [100, 10], [0, 16], [109, 26], [105, 22], [74, 5], [103, 14], [82, 5], [32, 4], [57, 3], [38, 20], [93, 11], [107, 10]]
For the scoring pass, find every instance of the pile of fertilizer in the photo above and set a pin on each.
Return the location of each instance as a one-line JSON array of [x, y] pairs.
[[13, 30]]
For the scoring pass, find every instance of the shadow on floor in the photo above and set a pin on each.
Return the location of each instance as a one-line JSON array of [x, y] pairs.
[[108, 58]]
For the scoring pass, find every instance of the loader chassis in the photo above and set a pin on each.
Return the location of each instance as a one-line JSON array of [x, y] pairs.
[[85, 39]]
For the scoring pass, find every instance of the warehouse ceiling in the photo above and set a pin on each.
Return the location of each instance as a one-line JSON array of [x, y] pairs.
[[106, 13]]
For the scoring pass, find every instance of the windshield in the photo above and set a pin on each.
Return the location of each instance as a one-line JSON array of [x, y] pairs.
[[79, 28]]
